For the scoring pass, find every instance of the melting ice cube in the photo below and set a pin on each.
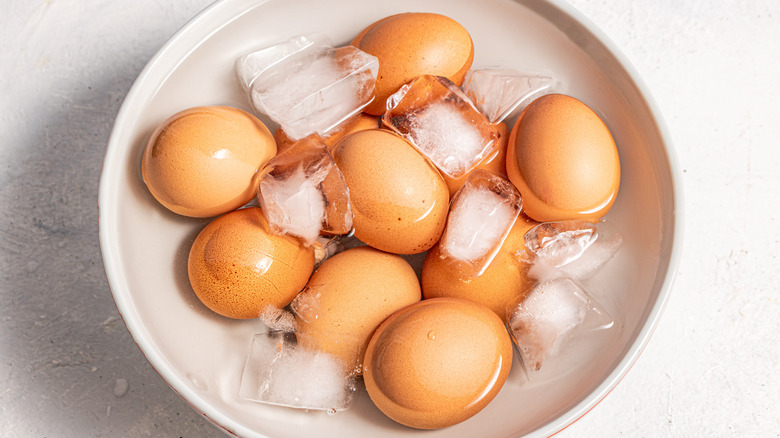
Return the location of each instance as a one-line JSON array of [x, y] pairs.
[[279, 371], [574, 249], [302, 192], [294, 204], [442, 123], [481, 215], [306, 85], [500, 92], [542, 321]]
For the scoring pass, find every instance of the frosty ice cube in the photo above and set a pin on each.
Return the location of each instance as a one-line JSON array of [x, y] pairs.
[[277, 319], [574, 249], [500, 92], [280, 371], [481, 215], [306, 85], [542, 321], [442, 123], [303, 193]]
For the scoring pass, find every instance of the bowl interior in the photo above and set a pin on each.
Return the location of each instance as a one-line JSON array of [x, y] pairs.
[[201, 355]]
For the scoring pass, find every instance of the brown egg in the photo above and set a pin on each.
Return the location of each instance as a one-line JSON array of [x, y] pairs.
[[504, 281], [399, 200], [359, 123], [237, 268], [494, 162], [347, 298], [414, 44], [437, 362], [563, 160], [202, 162]]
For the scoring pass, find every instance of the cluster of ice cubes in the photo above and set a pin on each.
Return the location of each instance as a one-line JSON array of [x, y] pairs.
[[561, 255], [309, 87], [306, 85], [481, 215], [455, 127]]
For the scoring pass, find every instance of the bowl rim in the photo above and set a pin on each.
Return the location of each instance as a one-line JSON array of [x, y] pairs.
[[677, 218], [118, 284]]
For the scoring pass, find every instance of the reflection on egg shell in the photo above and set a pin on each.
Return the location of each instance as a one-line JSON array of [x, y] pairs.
[[237, 267], [399, 200], [349, 295], [202, 162], [504, 281], [437, 363], [414, 44], [563, 160]]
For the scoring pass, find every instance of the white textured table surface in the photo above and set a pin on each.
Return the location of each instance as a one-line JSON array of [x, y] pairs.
[[69, 368]]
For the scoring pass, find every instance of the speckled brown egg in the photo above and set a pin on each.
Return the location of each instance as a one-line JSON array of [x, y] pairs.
[[563, 160], [504, 281], [494, 162], [202, 162], [399, 200], [237, 267], [414, 44], [437, 363], [361, 122], [347, 298]]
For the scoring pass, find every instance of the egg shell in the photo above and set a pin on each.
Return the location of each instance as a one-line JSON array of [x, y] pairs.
[[358, 123], [349, 295], [414, 44], [437, 362], [203, 161], [494, 162], [237, 267], [399, 200], [504, 281], [563, 160]]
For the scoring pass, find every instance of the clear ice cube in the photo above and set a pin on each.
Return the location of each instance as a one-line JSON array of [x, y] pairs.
[[280, 371], [303, 193], [499, 92], [306, 85], [481, 215], [575, 249], [250, 66], [552, 312], [442, 123]]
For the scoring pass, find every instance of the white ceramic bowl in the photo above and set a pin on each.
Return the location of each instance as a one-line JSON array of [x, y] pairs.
[[201, 355]]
